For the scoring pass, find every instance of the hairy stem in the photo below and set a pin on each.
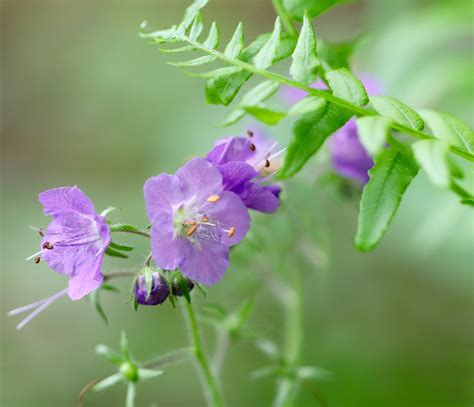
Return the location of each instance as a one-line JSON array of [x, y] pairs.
[[359, 111], [285, 18], [213, 392]]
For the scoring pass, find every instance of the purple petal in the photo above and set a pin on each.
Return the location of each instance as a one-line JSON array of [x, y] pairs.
[[206, 262], [199, 179], [167, 249], [86, 278], [236, 173], [349, 157], [66, 199], [260, 198], [162, 191], [230, 212]]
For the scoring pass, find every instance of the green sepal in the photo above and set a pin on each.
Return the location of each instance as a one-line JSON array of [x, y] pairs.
[[114, 253], [123, 227], [109, 355], [122, 247], [95, 301], [107, 382]]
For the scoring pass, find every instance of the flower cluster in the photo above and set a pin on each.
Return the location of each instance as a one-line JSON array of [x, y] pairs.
[[196, 215]]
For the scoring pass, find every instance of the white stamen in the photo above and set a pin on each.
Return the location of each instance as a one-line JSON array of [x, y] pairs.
[[34, 255], [41, 306]]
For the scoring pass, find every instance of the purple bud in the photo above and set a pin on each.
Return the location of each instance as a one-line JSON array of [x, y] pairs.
[[159, 290]]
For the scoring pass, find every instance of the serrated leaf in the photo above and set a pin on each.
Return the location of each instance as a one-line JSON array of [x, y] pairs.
[[305, 65], [95, 300], [373, 133], [206, 59], [296, 8], [347, 86], [306, 105], [236, 43], [114, 253], [256, 95], [447, 127], [124, 345], [197, 27], [186, 48], [393, 172], [213, 39], [265, 115], [398, 111], [108, 382], [309, 134], [190, 14], [122, 247], [268, 53], [144, 374], [432, 155], [224, 89], [108, 354]]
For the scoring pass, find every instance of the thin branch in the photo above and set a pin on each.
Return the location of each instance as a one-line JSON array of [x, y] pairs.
[[285, 18]]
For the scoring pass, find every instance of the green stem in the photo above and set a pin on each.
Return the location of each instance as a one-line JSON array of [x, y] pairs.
[[288, 387], [285, 18], [459, 190], [360, 111], [213, 391], [133, 232]]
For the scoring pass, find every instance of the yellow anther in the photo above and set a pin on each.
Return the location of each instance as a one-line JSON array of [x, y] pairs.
[[204, 219], [191, 229], [231, 232], [213, 198]]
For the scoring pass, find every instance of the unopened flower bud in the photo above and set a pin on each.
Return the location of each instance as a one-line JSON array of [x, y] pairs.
[[154, 295], [129, 371], [177, 288]]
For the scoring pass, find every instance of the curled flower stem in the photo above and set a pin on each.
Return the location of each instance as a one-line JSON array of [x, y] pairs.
[[213, 392]]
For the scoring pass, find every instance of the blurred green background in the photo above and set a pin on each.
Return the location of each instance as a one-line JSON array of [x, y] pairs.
[[86, 102]]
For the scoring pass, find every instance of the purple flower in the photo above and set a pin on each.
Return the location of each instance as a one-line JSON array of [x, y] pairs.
[[159, 290], [349, 157], [194, 221], [245, 164], [74, 243]]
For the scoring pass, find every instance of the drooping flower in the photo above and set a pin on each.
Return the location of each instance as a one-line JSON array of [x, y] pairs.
[[159, 289], [73, 244], [194, 221], [246, 164], [348, 155]]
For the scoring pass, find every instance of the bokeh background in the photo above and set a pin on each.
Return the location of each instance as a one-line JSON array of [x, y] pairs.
[[86, 102]]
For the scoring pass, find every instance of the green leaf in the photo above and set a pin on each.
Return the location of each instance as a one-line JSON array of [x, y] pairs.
[[212, 40], [346, 86], [190, 14], [124, 345], [398, 111], [206, 59], [432, 155], [305, 64], [447, 127], [468, 201], [335, 56], [296, 8], [123, 227], [224, 89], [313, 373], [391, 175], [197, 27], [268, 54], [109, 287], [161, 36], [253, 97], [114, 253], [144, 374], [269, 348], [306, 105], [236, 43], [95, 300], [217, 74], [309, 134], [265, 373], [265, 115], [122, 247], [108, 382], [108, 354], [373, 133], [186, 48]]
